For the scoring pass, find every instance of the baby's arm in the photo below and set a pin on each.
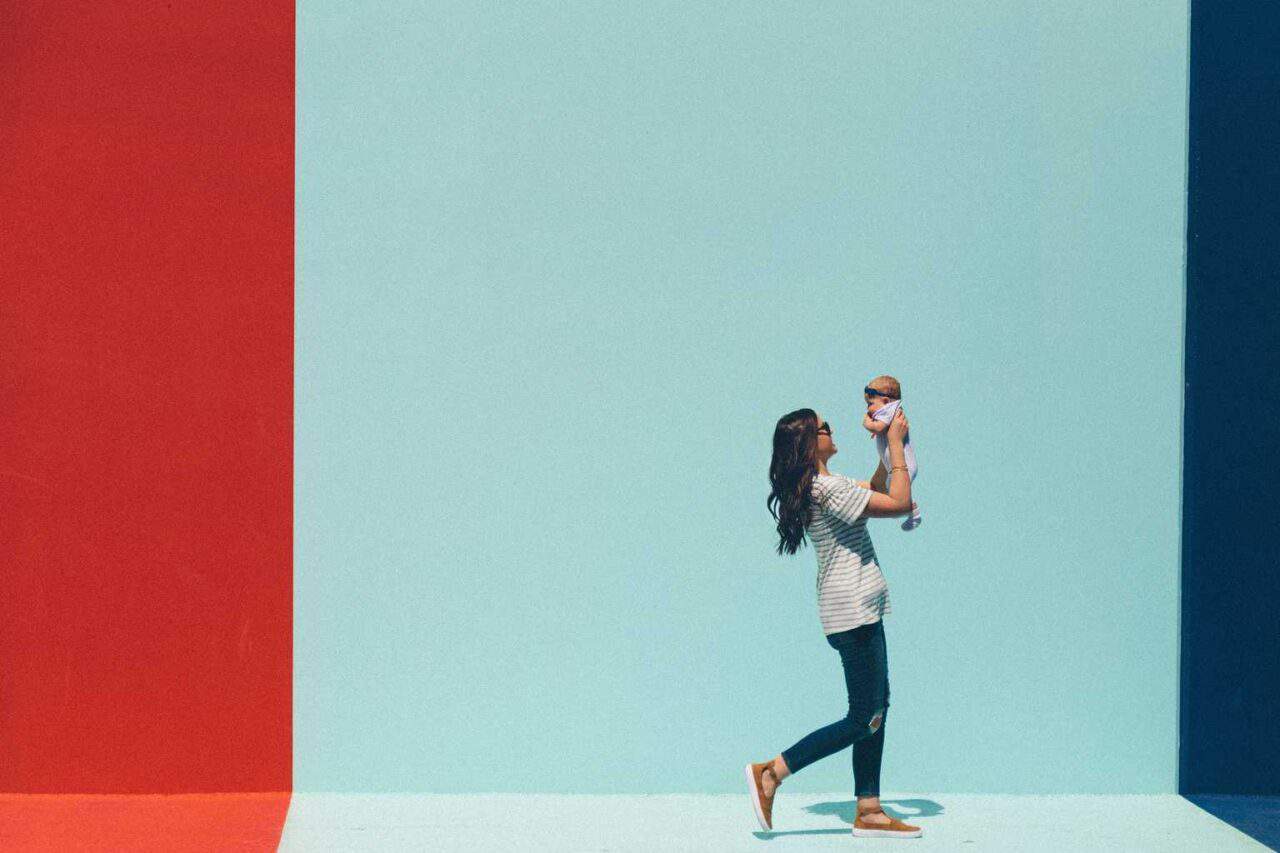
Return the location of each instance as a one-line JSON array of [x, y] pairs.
[[872, 425]]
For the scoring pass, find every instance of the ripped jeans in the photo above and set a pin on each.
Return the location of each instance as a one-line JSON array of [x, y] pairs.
[[866, 677]]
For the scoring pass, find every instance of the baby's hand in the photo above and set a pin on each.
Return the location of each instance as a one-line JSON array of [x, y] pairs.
[[872, 425]]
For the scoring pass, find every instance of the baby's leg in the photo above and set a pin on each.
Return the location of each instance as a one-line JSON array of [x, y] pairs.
[[912, 521]]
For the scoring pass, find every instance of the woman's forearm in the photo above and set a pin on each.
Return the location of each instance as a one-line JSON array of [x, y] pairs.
[[877, 480], [899, 486]]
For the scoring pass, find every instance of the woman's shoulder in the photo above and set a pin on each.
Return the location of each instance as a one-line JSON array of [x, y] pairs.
[[824, 484], [840, 495]]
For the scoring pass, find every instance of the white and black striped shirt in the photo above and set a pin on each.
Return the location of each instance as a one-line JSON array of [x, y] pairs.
[[851, 589]]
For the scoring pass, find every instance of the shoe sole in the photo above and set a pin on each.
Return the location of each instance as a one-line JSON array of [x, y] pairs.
[[886, 833], [755, 799]]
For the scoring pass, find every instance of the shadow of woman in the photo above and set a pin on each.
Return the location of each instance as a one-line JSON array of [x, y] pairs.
[[846, 810], [904, 809]]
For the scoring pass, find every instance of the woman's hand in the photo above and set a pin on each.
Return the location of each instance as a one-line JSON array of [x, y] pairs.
[[898, 427]]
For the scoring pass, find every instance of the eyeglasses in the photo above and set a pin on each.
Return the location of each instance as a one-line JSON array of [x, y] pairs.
[[874, 393], [824, 428]]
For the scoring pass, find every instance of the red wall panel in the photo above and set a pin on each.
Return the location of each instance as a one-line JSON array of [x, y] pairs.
[[146, 385]]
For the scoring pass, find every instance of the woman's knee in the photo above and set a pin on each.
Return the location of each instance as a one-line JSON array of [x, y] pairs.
[[876, 720], [864, 722]]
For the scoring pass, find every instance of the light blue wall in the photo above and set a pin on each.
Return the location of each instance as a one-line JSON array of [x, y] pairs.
[[561, 267]]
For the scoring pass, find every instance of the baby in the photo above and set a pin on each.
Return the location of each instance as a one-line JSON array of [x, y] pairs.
[[883, 396]]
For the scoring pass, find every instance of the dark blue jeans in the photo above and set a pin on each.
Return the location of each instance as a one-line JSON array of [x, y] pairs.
[[866, 677]]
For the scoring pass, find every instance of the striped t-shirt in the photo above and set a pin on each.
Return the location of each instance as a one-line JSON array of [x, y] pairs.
[[851, 589]]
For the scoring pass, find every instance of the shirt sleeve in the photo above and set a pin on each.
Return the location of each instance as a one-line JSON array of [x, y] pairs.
[[844, 500]]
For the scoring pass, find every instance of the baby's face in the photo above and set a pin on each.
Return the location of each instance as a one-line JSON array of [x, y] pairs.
[[875, 403]]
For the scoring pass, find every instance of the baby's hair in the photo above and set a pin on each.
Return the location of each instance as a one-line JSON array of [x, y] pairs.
[[888, 385]]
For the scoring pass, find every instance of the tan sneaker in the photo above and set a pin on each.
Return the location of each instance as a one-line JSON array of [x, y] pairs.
[[763, 805], [893, 829]]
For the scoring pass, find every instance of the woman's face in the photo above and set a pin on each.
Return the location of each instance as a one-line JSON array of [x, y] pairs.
[[826, 444]]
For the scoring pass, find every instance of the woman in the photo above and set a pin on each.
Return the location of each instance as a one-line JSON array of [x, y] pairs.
[[852, 599]]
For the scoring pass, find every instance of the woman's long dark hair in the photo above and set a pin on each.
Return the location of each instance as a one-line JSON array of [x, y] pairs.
[[791, 473]]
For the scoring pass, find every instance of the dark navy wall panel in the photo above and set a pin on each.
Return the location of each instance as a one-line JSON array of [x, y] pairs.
[[1230, 665]]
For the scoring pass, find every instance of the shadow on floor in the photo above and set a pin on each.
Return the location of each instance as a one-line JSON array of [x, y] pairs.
[[1255, 816], [847, 811], [765, 836], [906, 810]]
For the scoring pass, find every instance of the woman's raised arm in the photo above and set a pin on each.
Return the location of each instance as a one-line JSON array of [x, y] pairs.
[[898, 501]]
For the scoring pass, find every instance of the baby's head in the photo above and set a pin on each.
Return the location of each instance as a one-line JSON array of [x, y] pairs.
[[879, 392]]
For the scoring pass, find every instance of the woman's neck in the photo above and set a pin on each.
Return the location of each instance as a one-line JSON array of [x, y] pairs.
[[822, 467]]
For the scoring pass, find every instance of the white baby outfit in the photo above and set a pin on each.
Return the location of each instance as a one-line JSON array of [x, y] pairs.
[[885, 414]]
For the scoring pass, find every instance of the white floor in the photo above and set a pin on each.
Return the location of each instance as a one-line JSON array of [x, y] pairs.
[[704, 822]]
